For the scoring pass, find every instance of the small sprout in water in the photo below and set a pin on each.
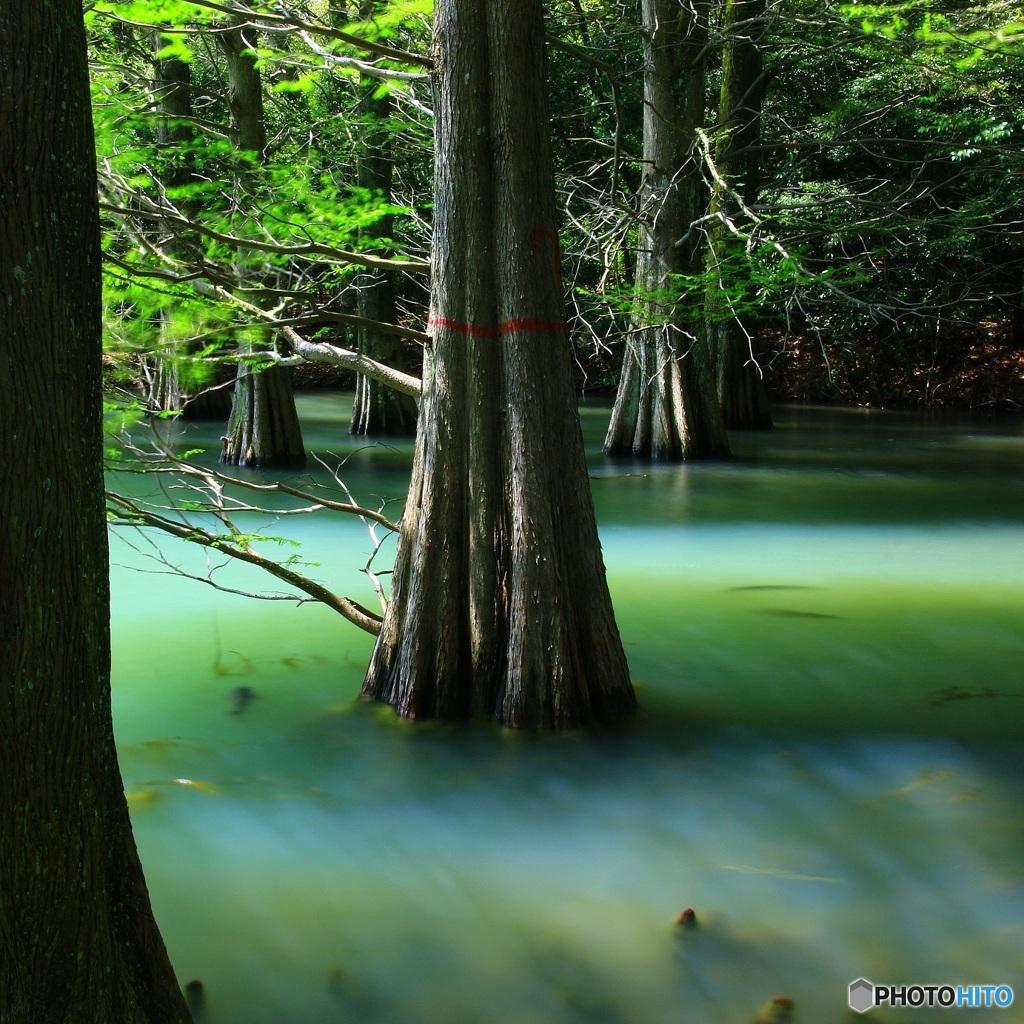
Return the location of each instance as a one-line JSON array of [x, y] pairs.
[[336, 983], [687, 919], [195, 998]]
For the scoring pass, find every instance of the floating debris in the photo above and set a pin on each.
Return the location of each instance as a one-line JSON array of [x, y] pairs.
[[173, 745], [951, 694], [928, 780], [238, 667], [143, 798]]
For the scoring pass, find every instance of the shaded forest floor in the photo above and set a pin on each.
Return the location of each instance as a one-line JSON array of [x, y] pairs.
[[972, 367]]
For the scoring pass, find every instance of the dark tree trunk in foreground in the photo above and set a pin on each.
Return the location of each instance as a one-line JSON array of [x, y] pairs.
[[667, 403], [377, 408], [499, 605], [78, 943], [740, 382], [263, 429]]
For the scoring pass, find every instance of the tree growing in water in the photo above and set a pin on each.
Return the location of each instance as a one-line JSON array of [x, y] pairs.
[[378, 409], [667, 401], [740, 382], [499, 605], [78, 942], [263, 429]]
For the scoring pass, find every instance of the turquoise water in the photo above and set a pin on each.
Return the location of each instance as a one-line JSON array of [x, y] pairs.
[[827, 639]]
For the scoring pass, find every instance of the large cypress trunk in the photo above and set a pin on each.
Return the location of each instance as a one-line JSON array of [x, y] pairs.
[[667, 403], [499, 605], [740, 382], [78, 943]]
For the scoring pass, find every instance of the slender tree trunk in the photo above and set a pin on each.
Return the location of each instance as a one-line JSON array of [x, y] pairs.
[[172, 85], [78, 943], [377, 409], [499, 605], [245, 92], [172, 94], [667, 403], [264, 427], [740, 382]]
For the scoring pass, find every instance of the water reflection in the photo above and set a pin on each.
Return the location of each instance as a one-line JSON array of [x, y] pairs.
[[826, 764]]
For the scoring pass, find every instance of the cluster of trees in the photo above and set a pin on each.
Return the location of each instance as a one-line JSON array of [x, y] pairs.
[[721, 168], [267, 196], [499, 605], [740, 183]]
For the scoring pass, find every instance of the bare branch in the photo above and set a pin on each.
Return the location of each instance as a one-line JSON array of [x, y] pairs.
[[124, 511], [320, 352]]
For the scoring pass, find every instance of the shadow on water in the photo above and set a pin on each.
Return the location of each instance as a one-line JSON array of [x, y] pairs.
[[826, 766]]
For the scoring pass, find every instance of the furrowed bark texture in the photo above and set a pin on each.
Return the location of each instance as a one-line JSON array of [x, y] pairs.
[[499, 606], [667, 403], [740, 382], [78, 943]]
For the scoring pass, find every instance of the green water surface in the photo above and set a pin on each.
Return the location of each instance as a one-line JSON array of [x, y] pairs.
[[827, 639]]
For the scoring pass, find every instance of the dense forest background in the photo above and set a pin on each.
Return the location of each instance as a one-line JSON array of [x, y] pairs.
[[855, 207]]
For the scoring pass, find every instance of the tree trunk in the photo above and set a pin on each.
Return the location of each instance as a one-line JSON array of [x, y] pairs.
[[667, 403], [263, 429], [499, 605], [245, 91], [172, 93], [377, 408], [78, 943], [740, 382]]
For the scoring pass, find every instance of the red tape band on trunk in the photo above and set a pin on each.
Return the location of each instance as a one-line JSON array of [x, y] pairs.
[[508, 327]]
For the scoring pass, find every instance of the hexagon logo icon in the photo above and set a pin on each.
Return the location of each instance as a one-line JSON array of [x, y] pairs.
[[862, 995]]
